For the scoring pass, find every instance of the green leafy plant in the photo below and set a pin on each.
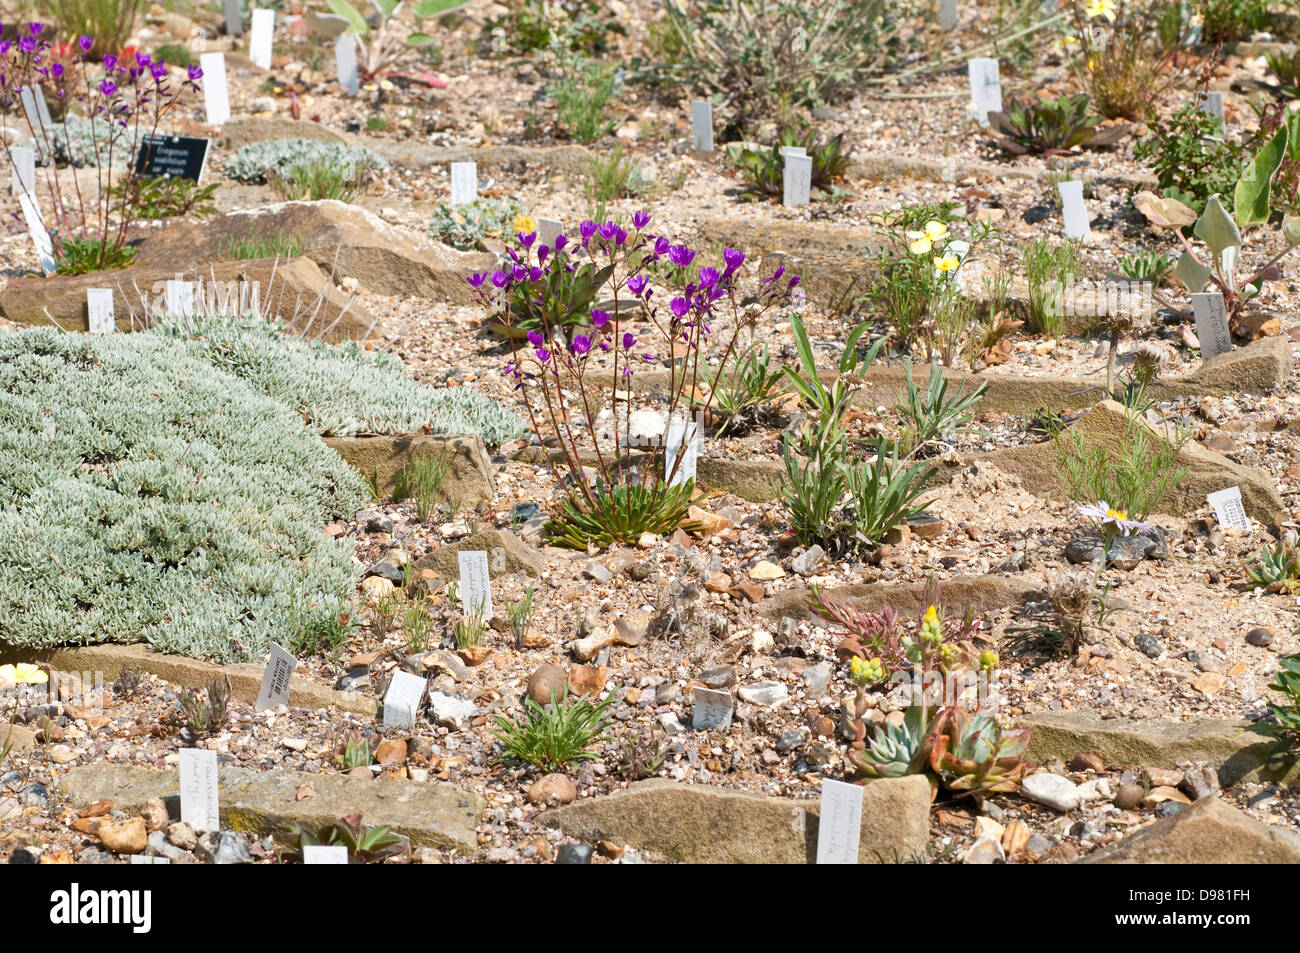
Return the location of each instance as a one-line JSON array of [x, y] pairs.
[[277, 158], [556, 735], [354, 751], [929, 415], [468, 628], [763, 169], [1147, 265], [110, 22], [1277, 567], [377, 47], [581, 95], [1226, 21], [417, 625], [1287, 713], [620, 514], [972, 755], [612, 176], [1286, 70], [422, 480], [164, 196], [464, 226], [1190, 156], [744, 392], [364, 845], [1049, 271], [205, 709], [318, 181], [278, 244], [1050, 127], [325, 627], [82, 256], [1124, 59], [1133, 472], [519, 613]]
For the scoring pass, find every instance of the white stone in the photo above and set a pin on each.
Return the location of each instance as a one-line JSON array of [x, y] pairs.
[[1052, 790]]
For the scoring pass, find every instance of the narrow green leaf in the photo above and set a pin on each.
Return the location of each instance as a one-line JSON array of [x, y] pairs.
[[435, 8]]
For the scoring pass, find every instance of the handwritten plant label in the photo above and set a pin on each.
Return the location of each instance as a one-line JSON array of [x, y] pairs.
[[792, 151], [464, 182], [1228, 509], [948, 15], [275, 680], [259, 42], [549, 229], [216, 94], [325, 855], [796, 183], [702, 124], [99, 311], [1212, 105], [839, 826], [1075, 213], [35, 108], [402, 700], [345, 62], [1211, 324], [40, 237], [199, 807], [234, 20], [177, 157], [180, 299], [681, 432], [985, 88], [23, 174], [475, 583], [149, 859], [712, 709]]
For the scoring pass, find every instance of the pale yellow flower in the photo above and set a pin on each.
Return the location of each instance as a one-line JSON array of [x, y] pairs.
[[947, 263], [1101, 8], [24, 673], [920, 246], [523, 225]]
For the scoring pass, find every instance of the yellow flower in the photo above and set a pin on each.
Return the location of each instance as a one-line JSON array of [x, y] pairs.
[[947, 263], [523, 225], [988, 660], [921, 245], [24, 673], [1117, 514], [932, 614], [1101, 8], [867, 671], [936, 230]]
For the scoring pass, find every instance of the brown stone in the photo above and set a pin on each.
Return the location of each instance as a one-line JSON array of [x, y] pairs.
[[1210, 831], [1163, 777], [127, 836], [381, 458], [587, 679], [513, 556], [751, 591], [546, 682], [239, 131], [718, 582], [1129, 796], [1087, 761], [57, 857], [154, 814], [1253, 325], [98, 809], [391, 752], [1158, 796], [1015, 836], [552, 789]]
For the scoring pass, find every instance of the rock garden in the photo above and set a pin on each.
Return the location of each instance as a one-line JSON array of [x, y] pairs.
[[661, 431]]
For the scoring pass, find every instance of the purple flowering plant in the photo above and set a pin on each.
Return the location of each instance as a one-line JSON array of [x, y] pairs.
[[583, 318], [130, 95]]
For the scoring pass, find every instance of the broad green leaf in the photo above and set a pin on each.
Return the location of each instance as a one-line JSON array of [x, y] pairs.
[[434, 8], [327, 24], [419, 39], [1291, 229], [357, 22], [803, 346], [1163, 212], [1216, 228], [1191, 273], [1250, 200]]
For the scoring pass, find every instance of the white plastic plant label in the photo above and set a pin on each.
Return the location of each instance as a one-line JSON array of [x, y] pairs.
[[40, 237], [796, 184], [345, 63], [402, 700], [702, 124], [1228, 509], [275, 679], [464, 183], [259, 40], [985, 88], [216, 94], [99, 311], [839, 825], [1074, 211], [475, 583], [318, 854], [1211, 324], [682, 439], [199, 806], [23, 174]]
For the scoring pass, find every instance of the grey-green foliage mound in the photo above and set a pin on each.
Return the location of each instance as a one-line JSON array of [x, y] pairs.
[[277, 158], [340, 390], [146, 495], [78, 140]]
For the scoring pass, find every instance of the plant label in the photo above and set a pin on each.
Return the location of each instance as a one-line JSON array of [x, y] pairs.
[[234, 20], [402, 700], [199, 807], [839, 825], [1212, 105], [334, 854], [149, 859], [176, 157], [796, 184], [1211, 324], [464, 183], [1228, 509], [259, 40], [548, 230], [345, 62], [99, 311], [35, 108], [179, 302], [1074, 211], [702, 124], [985, 88], [712, 709], [216, 94], [683, 439], [40, 237], [275, 679], [792, 151], [948, 15], [475, 583], [23, 173]]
